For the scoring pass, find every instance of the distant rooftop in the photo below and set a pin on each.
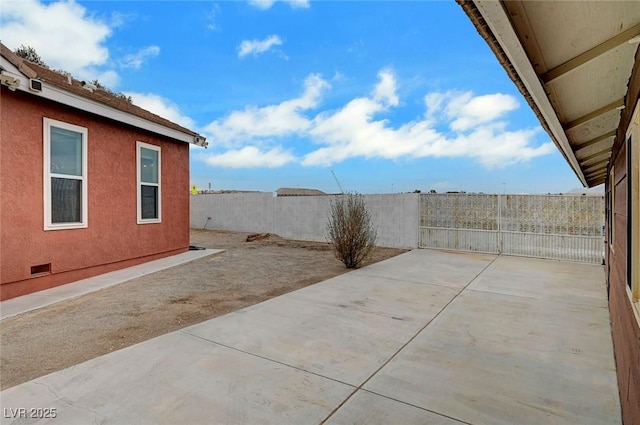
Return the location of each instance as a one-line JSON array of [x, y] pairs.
[[288, 191]]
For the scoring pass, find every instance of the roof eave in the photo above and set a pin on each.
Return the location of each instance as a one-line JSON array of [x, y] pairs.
[[51, 92], [494, 25]]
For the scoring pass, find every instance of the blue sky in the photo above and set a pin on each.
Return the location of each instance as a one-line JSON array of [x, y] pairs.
[[390, 96]]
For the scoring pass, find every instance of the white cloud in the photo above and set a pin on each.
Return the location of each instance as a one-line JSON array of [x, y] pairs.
[[481, 109], [338, 76], [455, 124], [262, 4], [474, 132], [299, 4], [162, 107], [434, 102], [106, 78], [352, 130], [464, 111], [249, 157], [135, 60], [212, 18], [385, 90], [257, 47], [51, 28], [119, 19], [266, 4], [495, 148], [270, 121]]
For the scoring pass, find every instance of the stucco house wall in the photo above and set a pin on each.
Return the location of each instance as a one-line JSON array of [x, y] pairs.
[[112, 239]]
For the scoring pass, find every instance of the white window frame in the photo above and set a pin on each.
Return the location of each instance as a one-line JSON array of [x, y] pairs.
[[139, 183], [48, 123], [633, 197], [612, 210]]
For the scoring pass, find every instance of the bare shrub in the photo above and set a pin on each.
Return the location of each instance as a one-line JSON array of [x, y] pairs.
[[350, 230]]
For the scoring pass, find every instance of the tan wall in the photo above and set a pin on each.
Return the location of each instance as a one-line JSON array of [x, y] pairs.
[[112, 235]]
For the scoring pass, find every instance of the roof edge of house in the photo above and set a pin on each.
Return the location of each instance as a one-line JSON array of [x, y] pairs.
[[478, 21], [72, 92]]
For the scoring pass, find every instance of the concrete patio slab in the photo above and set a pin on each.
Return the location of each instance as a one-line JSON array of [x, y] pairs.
[[339, 334], [544, 279], [377, 295], [25, 303], [370, 409], [447, 268], [368, 347], [179, 379], [500, 359], [345, 328]]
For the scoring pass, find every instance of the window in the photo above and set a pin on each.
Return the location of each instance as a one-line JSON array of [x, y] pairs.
[[149, 184], [612, 210], [65, 175], [634, 252], [630, 220], [633, 216]]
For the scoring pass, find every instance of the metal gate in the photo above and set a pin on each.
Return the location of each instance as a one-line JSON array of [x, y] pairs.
[[563, 227]]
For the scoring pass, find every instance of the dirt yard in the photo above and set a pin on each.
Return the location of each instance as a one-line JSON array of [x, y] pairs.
[[64, 334]]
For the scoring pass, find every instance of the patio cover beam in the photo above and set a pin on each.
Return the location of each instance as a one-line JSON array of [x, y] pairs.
[[591, 54]]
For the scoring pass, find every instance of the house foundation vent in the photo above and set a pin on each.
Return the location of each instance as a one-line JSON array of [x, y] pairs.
[[40, 269]]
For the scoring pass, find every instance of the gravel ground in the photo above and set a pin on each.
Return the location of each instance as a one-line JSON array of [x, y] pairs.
[[64, 334]]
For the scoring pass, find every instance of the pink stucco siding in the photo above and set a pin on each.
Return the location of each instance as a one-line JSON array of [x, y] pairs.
[[113, 239]]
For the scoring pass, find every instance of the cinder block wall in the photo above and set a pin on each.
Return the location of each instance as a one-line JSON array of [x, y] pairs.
[[304, 217], [240, 212], [396, 217]]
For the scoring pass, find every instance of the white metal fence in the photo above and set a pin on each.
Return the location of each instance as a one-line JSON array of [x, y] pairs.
[[563, 227]]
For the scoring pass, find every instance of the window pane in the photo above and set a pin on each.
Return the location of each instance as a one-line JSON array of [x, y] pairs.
[[630, 224], [66, 200], [66, 152], [148, 165], [149, 202]]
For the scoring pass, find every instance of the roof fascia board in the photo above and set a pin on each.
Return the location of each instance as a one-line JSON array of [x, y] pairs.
[[55, 94], [9, 68], [70, 99], [501, 27]]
